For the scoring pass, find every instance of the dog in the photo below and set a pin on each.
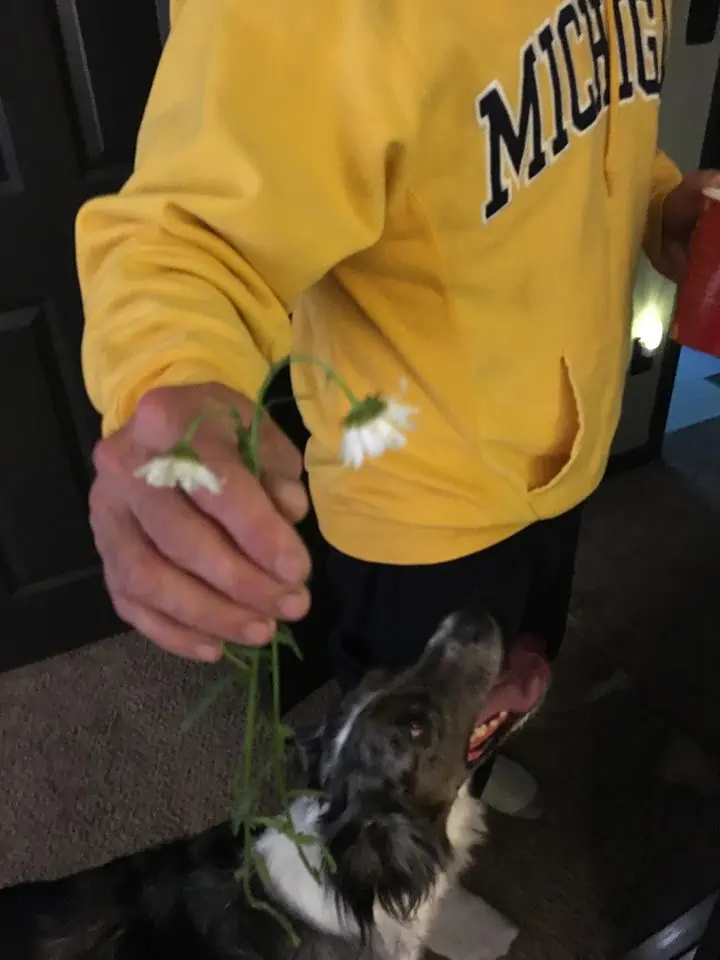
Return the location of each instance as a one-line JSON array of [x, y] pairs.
[[390, 804]]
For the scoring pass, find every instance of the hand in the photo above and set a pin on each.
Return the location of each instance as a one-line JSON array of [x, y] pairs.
[[681, 212], [188, 572]]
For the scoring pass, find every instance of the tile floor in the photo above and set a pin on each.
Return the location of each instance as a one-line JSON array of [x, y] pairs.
[[697, 390]]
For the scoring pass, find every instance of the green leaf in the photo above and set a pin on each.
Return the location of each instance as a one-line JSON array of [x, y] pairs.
[[272, 823], [184, 450], [329, 859], [265, 907], [242, 810], [257, 865], [285, 732], [313, 871], [240, 429], [242, 441], [286, 828], [285, 638], [236, 659], [262, 872], [206, 701], [303, 839]]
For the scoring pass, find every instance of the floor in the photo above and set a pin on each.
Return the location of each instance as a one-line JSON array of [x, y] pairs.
[[696, 396], [93, 763]]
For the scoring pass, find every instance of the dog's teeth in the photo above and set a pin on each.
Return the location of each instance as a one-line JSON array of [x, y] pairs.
[[503, 715], [481, 731]]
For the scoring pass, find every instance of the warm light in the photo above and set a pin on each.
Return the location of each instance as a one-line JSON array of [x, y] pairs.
[[649, 328]]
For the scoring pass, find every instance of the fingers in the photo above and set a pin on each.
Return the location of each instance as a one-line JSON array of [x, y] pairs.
[[164, 415], [140, 577], [278, 455], [249, 517], [255, 521], [169, 635], [189, 572], [193, 543], [288, 496]]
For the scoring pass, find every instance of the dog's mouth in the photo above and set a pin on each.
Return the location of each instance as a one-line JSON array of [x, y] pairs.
[[520, 688], [486, 735]]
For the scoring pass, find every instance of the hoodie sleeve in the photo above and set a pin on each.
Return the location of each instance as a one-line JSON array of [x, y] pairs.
[[263, 160], [665, 177]]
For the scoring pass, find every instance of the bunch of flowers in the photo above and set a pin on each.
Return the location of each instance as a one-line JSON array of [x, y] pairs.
[[372, 425]]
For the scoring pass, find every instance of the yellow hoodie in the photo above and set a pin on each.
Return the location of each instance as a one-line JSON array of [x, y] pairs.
[[449, 192]]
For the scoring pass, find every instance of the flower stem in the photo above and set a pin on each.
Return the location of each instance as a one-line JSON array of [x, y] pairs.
[[250, 720], [279, 741], [275, 368], [248, 664], [193, 428]]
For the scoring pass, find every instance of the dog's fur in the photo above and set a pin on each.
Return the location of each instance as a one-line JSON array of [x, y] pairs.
[[398, 821]]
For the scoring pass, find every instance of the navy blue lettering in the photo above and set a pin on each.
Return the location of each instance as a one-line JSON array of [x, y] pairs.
[[520, 141], [627, 90], [512, 137], [560, 140], [592, 11], [650, 82], [583, 117]]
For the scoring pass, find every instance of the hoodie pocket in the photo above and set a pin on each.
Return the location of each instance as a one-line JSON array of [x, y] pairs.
[[553, 468]]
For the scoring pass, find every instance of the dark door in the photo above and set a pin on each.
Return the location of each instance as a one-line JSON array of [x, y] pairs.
[[74, 78], [74, 75]]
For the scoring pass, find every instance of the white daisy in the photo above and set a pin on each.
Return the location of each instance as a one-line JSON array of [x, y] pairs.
[[374, 425], [180, 467]]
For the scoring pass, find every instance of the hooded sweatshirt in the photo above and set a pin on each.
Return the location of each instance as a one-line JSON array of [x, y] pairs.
[[447, 193]]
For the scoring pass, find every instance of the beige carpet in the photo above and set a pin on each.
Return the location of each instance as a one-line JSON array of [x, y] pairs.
[[93, 763]]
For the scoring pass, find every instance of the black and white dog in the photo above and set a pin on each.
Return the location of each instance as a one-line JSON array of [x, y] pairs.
[[398, 821]]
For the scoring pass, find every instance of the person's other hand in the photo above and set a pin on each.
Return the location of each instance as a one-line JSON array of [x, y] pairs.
[[189, 572], [681, 212]]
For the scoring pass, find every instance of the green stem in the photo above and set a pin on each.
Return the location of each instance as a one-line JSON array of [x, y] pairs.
[[279, 744], [254, 441], [250, 719], [234, 659], [192, 429]]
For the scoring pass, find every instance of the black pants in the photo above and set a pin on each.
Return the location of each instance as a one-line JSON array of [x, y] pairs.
[[386, 614]]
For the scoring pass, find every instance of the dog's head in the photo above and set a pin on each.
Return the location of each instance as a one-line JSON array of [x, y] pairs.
[[393, 759]]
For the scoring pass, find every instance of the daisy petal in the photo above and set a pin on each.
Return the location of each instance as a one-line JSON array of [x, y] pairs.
[[172, 471]]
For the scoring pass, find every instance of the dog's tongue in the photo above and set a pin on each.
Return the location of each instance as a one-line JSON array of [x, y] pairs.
[[522, 683]]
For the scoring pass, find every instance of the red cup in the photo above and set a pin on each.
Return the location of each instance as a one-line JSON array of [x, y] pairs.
[[696, 323]]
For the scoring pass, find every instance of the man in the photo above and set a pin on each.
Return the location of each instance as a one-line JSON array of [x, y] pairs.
[[452, 195]]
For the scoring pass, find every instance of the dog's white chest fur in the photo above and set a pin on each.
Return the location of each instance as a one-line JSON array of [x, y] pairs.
[[314, 903], [293, 883], [465, 829]]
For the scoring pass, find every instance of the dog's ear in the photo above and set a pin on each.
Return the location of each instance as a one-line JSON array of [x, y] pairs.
[[390, 860]]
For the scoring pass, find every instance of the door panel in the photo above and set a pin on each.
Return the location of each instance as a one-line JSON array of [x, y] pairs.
[[43, 535], [74, 77], [111, 50]]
